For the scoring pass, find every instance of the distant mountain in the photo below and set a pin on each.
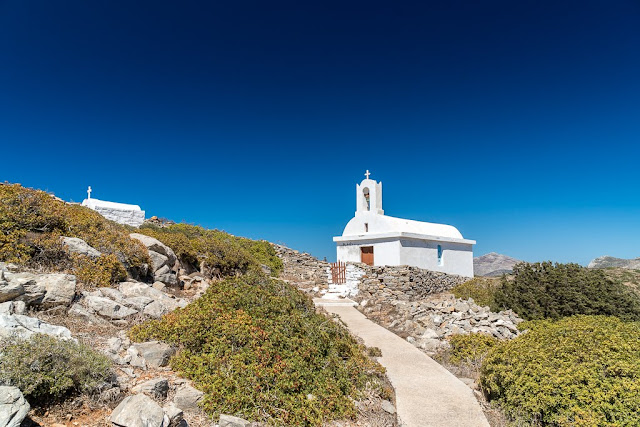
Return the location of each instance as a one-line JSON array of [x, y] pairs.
[[609, 261], [493, 265]]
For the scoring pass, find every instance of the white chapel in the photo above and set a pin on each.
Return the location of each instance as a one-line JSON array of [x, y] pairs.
[[121, 213], [373, 238]]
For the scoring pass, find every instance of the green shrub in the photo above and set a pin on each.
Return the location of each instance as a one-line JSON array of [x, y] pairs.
[[470, 349], [481, 289], [258, 350], [545, 290], [577, 371], [215, 252], [48, 369], [32, 222]]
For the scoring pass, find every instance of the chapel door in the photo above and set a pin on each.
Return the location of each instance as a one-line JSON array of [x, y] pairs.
[[366, 255]]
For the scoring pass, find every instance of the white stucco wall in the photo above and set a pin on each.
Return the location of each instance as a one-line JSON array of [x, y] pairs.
[[385, 252], [119, 212], [457, 258]]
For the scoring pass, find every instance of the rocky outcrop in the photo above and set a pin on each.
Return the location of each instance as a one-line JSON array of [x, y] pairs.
[[139, 411], [13, 407], [163, 259], [24, 326], [609, 261], [156, 388], [38, 290], [493, 265], [78, 246]]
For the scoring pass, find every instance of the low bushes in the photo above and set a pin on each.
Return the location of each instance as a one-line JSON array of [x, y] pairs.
[[215, 252], [481, 289], [47, 369], [546, 290], [257, 348], [577, 371], [471, 349]]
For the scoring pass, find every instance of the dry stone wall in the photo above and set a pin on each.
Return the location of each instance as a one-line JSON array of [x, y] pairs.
[[302, 268], [381, 285]]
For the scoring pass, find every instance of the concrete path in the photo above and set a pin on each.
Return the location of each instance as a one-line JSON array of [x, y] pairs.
[[426, 393]]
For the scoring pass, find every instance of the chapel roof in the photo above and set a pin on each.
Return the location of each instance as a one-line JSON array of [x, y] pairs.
[[94, 203]]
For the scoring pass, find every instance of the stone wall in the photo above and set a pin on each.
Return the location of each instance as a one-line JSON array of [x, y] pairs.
[[302, 268], [403, 283]]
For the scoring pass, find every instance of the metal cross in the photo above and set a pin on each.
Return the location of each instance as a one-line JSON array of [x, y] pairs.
[[367, 174], [89, 193]]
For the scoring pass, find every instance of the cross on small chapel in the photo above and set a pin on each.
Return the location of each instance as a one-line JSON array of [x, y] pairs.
[[89, 193], [367, 174]]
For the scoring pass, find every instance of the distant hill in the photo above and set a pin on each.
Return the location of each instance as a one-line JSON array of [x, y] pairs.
[[493, 264], [609, 261]]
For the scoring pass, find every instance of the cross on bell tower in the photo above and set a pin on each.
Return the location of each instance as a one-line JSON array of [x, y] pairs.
[[367, 174], [89, 192]]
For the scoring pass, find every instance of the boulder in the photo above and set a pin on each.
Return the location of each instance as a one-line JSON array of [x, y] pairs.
[[59, 289], [156, 309], [156, 245], [79, 311], [231, 421], [156, 354], [138, 411], [168, 279], [187, 398], [13, 307], [13, 407], [388, 407], [136, 289], [162, 271], [46, 290], [174, 414], [9, 291], [158, 261], [79, 246], [107, 308], [157, 388], [24, 326]]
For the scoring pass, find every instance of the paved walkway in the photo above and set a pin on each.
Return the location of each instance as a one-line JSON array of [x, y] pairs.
[[427, 395]]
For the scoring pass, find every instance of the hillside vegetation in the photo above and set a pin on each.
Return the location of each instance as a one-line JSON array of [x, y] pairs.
[[258, 349], [32, 223], [215, 252]]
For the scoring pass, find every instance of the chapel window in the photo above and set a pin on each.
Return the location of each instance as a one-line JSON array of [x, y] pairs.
[[440, 261], [366, 227]]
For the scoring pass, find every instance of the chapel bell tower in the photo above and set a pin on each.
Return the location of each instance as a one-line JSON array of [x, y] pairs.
[[369, 196]]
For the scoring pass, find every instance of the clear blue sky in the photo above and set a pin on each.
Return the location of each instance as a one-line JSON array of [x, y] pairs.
[[516, 121]]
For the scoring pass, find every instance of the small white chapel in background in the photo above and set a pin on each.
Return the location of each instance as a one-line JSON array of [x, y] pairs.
[[373, 238], [119, 212]]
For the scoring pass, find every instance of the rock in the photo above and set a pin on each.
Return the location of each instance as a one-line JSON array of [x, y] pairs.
[[461, 307], [114, 345], [60, 289], [231, 421], [107, 308], [156, 245], [162, 271], [79, 311], [134, 289], [388, 407], [430, 334], [157, 387], [13, 407], [156, 354], [156, 310], [24, 326], [9, 291], [47, 290], [174, 414], [168, 279], [13, 307], [159, 286], [138, 411], [187, 398], [137, 303], [79, 246], [158, 261]]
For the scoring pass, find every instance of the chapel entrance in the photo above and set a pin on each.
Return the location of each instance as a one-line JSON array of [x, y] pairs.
[[366, 255]]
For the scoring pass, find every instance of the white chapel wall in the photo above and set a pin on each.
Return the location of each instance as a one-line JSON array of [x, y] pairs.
[[457, 258]]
